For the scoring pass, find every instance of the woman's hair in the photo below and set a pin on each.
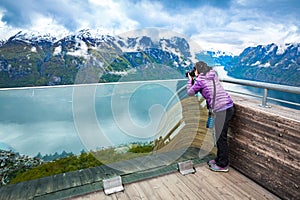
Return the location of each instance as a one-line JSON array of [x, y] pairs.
[[202, 67]]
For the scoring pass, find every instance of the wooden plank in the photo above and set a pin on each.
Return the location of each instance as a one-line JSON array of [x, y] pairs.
[[180, 190], [158, 189], [278, 110], [272, 178], [267, 148], [287, 135], [212, 181], [29, 189], [73, 179], [204, 184], [101, 172], [264, 145], [43, 186], [237, 185], [17, 193], [141, 190], [202, 188], [249, 186], [86, 176], [7, 192], [23, 190], [94, 196], [58, 182], [227, 188]]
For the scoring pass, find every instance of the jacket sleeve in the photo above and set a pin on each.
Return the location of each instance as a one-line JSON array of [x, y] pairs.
[[192, 89]]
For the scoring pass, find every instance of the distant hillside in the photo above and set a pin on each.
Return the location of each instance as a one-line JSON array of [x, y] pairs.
[[15, 168], [270, 63], [35, 60], [30, 60]]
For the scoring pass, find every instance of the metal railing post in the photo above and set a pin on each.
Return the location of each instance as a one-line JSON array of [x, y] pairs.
[[266, 87], [264, 99]]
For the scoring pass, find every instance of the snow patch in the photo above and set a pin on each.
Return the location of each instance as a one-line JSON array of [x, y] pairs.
[[271, 49], [266, 65], [57, 51], [122, 73], [256, 63], [281, 49], [6, 147], [33, 49], [81, 49], [221, 53]]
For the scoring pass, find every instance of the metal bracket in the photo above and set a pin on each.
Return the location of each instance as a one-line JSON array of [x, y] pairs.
[[186, 167], [264, 99], [113, 185]]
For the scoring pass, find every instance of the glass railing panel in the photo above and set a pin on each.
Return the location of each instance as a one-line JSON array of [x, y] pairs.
[[126, 126]]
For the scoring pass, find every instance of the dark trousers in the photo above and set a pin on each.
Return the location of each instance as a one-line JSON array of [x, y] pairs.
[[221, 127]]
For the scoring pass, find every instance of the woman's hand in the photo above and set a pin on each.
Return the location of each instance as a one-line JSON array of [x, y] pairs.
[[191, 78]]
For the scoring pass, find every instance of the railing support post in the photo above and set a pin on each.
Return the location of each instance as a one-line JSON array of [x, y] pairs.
[[264, 99]]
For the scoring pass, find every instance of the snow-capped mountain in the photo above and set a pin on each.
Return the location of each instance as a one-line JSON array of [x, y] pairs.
[[284, 56], [268, 63], [215, 58], [1, 42], [5, 147], [265, 63], [30, 59], [32, 37]]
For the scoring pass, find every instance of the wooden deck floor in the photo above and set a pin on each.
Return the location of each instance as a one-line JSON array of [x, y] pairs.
[[204, 184]]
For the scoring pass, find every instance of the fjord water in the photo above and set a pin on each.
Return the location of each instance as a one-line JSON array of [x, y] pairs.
[[38, 120], [41, 120], [295, 98], [54, 119]]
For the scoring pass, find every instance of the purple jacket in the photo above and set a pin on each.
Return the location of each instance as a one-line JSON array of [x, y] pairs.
[[205, 85]]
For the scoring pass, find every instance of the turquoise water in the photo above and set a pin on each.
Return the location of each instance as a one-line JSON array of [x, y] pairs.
[[90, 117], [75, 118]]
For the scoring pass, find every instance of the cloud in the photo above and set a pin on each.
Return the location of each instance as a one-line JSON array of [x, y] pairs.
[[231, 25], [183, 5], [26, 14]]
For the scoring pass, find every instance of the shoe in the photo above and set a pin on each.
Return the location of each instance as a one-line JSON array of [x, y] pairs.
[[217, 168], [211, 162]]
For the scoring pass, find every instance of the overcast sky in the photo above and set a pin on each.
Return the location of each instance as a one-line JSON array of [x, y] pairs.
[[214, 24]]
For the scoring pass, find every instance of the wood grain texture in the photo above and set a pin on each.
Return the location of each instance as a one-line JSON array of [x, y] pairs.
[[264, 145], [204, 184]]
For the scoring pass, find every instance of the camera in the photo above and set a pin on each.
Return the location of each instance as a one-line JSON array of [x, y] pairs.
[[192, 73]]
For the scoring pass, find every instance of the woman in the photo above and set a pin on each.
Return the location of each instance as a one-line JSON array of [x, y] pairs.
[[219, 104]]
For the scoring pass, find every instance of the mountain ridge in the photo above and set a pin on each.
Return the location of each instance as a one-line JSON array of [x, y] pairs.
[[47, 60], [30, 59], [268, 63]]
